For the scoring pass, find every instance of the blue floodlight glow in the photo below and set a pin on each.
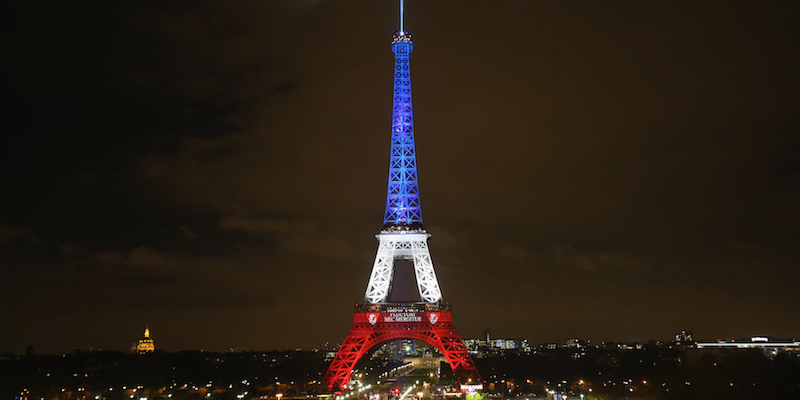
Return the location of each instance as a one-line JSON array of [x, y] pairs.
[[402, 199]]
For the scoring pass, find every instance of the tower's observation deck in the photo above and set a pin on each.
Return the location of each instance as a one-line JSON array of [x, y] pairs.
[[406, 307]]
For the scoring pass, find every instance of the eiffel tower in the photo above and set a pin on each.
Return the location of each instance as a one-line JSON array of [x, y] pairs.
[[377, 320]]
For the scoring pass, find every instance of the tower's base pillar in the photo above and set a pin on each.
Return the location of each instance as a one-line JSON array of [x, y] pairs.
[[375, 324]]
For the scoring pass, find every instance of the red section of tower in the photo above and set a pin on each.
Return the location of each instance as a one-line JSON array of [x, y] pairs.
[[375, 324]]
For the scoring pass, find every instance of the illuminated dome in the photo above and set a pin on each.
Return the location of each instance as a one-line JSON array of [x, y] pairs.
[[146, 344]]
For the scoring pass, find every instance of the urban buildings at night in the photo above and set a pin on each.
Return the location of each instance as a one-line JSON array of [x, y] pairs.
[[494, 346], [753, 368]]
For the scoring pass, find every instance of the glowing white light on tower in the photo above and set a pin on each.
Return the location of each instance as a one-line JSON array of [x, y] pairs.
[[401, 17]]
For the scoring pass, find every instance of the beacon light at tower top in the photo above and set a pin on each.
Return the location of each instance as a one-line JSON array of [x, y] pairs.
[[402, 33], [401, 36]]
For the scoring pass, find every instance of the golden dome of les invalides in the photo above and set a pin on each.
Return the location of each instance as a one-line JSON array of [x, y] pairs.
[[145, 344]]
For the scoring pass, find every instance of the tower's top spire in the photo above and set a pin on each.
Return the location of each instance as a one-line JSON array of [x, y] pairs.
[[401, 35]]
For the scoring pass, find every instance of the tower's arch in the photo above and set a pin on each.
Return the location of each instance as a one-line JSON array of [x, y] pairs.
[[375, 324]]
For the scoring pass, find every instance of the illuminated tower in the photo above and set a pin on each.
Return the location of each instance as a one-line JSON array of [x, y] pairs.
[[377, 321], [146, 344]]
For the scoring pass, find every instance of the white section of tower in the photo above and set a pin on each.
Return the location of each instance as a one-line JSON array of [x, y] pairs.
[[405, 246]]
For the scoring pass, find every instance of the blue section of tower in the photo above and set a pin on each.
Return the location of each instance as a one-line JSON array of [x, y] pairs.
[[402, 200]]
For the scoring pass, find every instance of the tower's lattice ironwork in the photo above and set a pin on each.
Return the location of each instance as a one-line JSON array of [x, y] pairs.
[[377, 320], [402, 199]]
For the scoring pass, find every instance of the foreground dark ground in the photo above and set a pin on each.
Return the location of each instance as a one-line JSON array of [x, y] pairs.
[[652, 372]]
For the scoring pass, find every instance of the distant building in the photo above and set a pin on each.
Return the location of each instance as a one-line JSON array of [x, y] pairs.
[[683, 338], [145, 344], [398, 349], [769, 345], [425, 361], [575, 343], [488, 347]]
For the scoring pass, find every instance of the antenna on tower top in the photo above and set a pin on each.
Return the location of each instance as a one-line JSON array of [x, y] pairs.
[[401, 17]]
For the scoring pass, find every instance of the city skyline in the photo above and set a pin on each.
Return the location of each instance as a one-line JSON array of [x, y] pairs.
[[485, 345], [217, 172]]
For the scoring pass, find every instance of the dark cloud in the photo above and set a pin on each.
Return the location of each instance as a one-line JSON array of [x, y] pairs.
[[11, 233]]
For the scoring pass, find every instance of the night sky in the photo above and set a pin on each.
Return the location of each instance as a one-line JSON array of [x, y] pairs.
[[607, 170]]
